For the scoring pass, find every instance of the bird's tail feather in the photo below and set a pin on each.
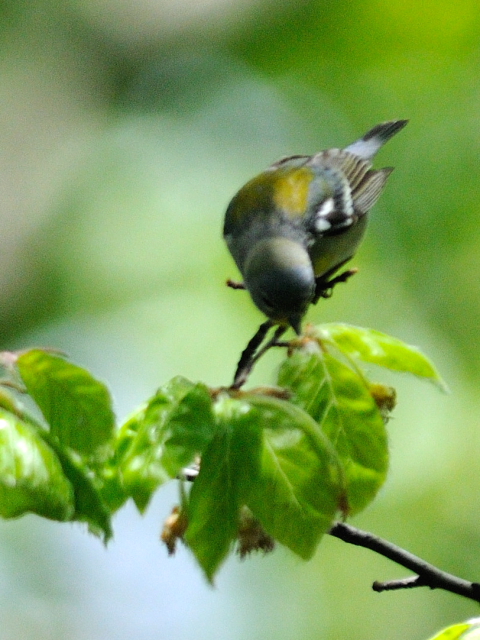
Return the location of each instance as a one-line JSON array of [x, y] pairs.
[[374, 139]]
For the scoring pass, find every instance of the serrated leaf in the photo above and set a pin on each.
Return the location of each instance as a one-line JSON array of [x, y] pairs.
[[75, 405], [221, 487], [339, 400], [164, 436], [300, 481], [381, 349], [31, 476]]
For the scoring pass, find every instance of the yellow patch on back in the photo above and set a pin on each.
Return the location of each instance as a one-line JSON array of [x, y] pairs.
[[291, 190]]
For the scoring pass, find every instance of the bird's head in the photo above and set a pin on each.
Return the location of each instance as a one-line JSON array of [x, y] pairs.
[[280, 278]]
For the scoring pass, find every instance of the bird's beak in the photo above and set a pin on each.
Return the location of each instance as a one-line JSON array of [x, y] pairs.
[[296, 324]]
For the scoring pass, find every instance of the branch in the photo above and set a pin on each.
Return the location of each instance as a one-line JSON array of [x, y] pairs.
[[427, 574]]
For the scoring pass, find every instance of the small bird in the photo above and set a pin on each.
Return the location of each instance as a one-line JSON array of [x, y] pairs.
[[291, 228]]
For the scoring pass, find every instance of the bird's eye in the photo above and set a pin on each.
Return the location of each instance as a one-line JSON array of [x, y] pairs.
[[267, 303]]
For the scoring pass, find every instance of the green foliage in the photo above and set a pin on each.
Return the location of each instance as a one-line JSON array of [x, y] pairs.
[[374, 347], [76, 406], [339, 400], [291, 457], [31, 476], [55, 469], [158, 440], [464, 631], [217, 494]]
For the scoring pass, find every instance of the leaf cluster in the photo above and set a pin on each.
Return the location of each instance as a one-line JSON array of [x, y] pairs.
[[277, 464]]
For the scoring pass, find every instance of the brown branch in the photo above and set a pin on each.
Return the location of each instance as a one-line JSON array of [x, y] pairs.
[[395, 585], [427, 574]]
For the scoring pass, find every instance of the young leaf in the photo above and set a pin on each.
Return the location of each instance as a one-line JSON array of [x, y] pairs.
[[139, 449], [110, 486], [222, 486], [380, 349], [31, 476], [297, 489], [272, 457], [75, 405], [89, 506], [462, 631], [164, 436], [338, 398], [190, 427]]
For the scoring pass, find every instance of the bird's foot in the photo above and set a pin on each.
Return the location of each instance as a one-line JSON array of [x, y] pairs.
[[324, 288], [233, 284]]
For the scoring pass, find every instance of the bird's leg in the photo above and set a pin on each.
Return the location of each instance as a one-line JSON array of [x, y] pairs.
[[250, 355], [273, 342], [233, 284], [324, 288], [245, 364]]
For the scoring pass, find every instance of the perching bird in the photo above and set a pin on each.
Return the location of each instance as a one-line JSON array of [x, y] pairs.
[[292, 227]]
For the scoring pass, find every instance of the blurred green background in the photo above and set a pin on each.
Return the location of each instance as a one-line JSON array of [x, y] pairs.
[[126, 126]]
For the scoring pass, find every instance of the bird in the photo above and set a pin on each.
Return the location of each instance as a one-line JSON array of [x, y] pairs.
[[292, 227]]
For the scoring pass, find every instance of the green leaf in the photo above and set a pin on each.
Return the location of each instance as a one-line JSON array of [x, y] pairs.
[[462, 631], [75, 405], [381, 349], [163, 436], [338, 398], [271, 456], [110, 486], [31, 476], [89, 505], [190, 427], [139, 449], [10, 403], [299, 483], [222, 486]]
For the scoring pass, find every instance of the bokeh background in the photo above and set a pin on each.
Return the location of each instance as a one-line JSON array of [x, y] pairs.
[[125, 128]]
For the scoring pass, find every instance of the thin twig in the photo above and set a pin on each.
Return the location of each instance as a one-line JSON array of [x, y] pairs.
[[427, 574], [395, 585]]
